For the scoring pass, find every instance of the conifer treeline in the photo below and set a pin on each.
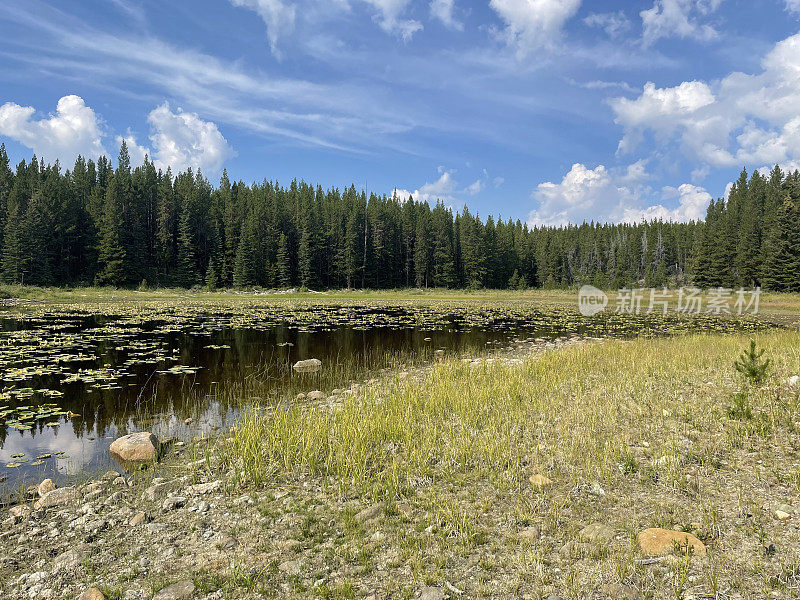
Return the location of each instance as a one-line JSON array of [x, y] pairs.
[[95, 224]]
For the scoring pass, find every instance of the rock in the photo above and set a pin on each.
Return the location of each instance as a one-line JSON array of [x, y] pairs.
[[658, 542], [598, 533], [540, 482], [109, 476], [46, 486], [204, 488], [782, 515], [176, 591], [793, 381], [529, 534], [290, 567], [135, 449], [316, 395], [157, 489], [312, 365], [137, 519], [19, 512], [68, 560], [432, 593], [369, 513], [91, 594], [57, 497], [174, 502]]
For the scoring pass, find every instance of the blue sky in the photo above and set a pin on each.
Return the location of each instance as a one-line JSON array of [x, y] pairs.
[[544, 110]]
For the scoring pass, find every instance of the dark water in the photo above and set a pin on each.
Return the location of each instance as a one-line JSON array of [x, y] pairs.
[[123, 383]]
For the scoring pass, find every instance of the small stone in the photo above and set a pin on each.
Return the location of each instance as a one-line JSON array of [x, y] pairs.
[[432, 593], [597, 533], [316, 395], [137, 519], [174, 502], [57, 497], [92, 594], [793, 381], [135, 449], [290, 567], [529, 534], [109, 476], [176, 591], [658, 542], [204, 488], [782, 515], [19, 512], [312, 365], [68, 560], [46, 486], [540, 481]]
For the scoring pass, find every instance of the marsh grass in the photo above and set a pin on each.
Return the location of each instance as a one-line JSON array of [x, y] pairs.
[[575, 412]]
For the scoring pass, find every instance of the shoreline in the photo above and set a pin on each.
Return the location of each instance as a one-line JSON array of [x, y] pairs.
[[500, 503]]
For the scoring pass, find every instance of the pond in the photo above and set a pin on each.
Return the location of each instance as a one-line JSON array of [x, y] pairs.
[[76, 379]]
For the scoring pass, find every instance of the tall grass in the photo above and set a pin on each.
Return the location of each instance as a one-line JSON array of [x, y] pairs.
[[572, 412]]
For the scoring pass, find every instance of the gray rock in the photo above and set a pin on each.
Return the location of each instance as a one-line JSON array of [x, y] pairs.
[[57, 497], [204, 488], [316, 395], [176, 591], [174, 502], [432, 593], [68, 560], [312, 365]]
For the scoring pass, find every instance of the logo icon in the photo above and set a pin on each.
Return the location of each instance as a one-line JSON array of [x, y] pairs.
[[591, 300]]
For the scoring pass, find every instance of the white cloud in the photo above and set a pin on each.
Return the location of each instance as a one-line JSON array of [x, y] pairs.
[[742, 119], [181, 140], [692, 205], [793, 6], [277, 15], [614, 24], [73, 129], [446, 188], [678, 18], [443, 10], [533, 24], [390, 21], [476, 187], [597, 194]]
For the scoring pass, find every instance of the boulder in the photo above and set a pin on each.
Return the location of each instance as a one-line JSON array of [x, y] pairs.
[[57, 497], [658, 542], [135, 449], [312, 365], [46, 486]]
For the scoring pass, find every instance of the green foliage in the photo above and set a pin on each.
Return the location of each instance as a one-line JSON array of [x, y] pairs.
[[740, 408], [751, 365], [118, 226]]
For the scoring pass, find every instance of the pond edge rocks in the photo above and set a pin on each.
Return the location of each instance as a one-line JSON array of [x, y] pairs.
[[135, 449], [312, 365]]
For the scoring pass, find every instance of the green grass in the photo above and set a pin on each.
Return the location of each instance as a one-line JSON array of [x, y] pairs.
[[506, 421]]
